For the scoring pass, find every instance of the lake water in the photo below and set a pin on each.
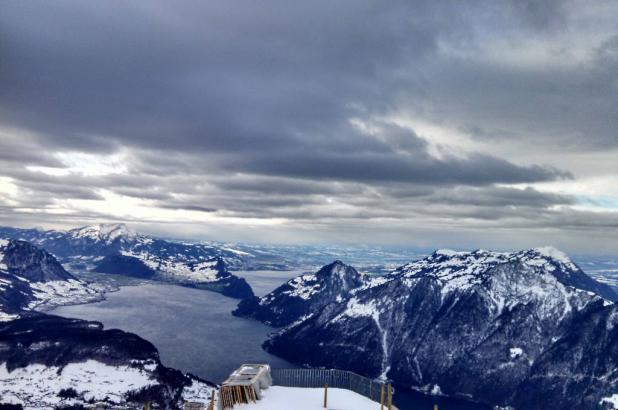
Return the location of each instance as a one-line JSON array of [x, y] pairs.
[[195, 331]]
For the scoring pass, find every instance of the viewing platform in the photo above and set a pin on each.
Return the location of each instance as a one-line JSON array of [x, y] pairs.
[[258, 387]]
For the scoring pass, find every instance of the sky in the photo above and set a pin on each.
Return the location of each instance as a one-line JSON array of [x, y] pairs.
[[429, 124]]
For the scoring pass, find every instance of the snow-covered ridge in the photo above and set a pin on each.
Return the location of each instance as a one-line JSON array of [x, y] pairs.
[[444, 263], [106, 233], [462, 270]]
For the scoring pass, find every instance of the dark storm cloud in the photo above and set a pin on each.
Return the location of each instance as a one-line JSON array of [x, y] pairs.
[[421, 169], [215, 75], [543, 15], [273, 86], [562, 103], [501, 197], [15, 152]]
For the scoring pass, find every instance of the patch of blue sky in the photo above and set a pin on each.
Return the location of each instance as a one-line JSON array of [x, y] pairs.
[[598, 201]]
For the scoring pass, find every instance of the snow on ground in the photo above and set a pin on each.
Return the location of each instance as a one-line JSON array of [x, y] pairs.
[[612, 401], [515, 352], [201, 272], [179, 269], [303, 286], [197, 392], [286, 398], [5, 317], [37, 386], [62, 292]]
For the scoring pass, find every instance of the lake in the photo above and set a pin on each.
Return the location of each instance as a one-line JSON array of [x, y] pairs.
[[196, 333]]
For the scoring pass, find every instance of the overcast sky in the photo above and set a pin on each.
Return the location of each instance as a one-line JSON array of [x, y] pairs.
[[459, 124]]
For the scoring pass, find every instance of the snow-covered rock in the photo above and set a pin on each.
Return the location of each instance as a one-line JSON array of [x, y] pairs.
[[478, 324], [303, 295]]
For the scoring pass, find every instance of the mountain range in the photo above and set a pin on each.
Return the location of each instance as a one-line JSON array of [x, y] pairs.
[[117, 249], [517, 330]]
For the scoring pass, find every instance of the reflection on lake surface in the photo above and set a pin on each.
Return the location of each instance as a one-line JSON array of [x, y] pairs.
[[195, 331]]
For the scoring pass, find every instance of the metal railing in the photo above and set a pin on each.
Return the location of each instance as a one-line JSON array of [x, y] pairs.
[[342, 379]]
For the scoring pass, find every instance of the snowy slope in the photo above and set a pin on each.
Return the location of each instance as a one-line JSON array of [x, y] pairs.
[[477, 324]]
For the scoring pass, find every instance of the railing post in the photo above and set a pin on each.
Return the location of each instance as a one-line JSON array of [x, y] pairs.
[[390, 397], [435, 407], [382, 397], [325, 395]]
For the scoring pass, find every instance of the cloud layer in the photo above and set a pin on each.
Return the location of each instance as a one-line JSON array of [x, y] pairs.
[[468, 123]]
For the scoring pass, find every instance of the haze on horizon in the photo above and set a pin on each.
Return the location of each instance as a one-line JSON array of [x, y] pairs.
[[488, 124]]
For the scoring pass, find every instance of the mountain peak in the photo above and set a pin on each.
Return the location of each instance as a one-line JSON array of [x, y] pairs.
[[335, 265], [336, 268], [106, 232], [447, 252], [463, 270]]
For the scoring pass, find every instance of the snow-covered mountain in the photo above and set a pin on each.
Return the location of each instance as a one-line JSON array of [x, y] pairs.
[[526, 329], [115, 248], [302, 295], [32, 278]]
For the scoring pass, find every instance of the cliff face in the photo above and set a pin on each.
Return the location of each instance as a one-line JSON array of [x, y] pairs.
[[504, 329], [303, 295], [34, 264], [32, 278]]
